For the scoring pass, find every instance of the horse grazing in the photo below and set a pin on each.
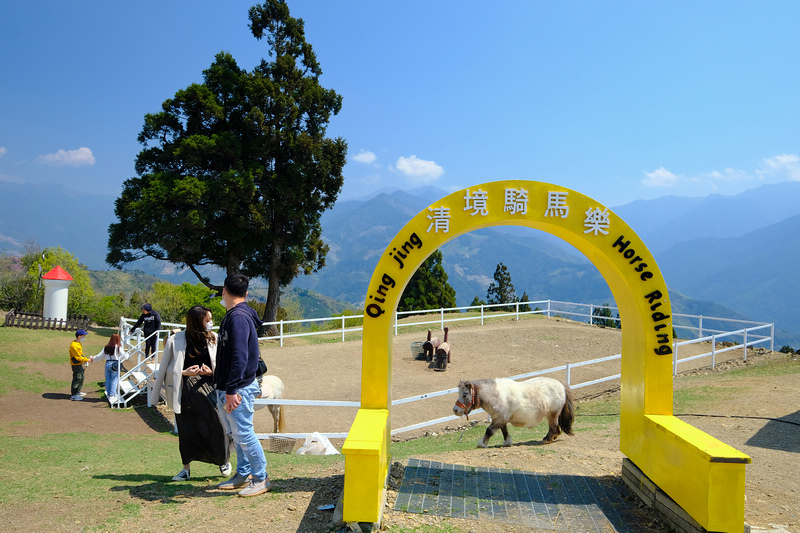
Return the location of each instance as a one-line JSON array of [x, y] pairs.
[[272, 389], [521, 404]]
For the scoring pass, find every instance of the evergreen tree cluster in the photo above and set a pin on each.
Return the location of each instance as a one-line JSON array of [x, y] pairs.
[[428, 287]]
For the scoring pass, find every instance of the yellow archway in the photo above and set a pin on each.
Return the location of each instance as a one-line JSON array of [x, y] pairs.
[[703, 475]]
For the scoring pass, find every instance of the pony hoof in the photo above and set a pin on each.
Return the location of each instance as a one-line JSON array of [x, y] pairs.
[[481, 444], [507, 443]]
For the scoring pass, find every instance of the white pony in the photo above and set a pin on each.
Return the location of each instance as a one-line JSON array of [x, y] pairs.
[[272, 389], [523, 404]]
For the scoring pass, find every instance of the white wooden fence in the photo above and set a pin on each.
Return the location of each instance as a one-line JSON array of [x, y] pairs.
[[696, 328]]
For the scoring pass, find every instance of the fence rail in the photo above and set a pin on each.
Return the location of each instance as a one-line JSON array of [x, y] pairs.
[[693, 326]]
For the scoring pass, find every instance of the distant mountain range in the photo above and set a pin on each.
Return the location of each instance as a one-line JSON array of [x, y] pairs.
[[718, 254]]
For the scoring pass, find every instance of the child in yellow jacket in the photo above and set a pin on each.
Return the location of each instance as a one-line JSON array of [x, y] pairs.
[[79, 363]]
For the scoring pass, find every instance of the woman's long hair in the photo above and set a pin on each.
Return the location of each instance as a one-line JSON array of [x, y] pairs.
[[111, 347], [197, 338]]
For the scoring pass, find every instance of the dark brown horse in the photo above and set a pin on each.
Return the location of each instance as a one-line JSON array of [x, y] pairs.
[[523, 404]]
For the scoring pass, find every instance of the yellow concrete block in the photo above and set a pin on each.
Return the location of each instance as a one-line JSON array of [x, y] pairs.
[[366, 452], [702, 474]]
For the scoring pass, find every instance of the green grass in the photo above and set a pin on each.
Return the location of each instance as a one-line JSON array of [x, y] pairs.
[[766, 370], [596, 414], [695, 398], [17, 377], [22, 352]]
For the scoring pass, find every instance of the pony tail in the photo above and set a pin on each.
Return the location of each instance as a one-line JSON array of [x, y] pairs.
[[567, 415], [281, 421]]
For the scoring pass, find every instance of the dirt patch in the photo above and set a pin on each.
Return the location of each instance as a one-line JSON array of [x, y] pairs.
[[333, 372]]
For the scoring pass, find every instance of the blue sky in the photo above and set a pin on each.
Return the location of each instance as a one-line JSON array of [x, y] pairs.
[[617, 100]]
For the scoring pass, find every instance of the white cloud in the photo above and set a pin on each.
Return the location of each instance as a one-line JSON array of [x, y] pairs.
[[365, 157], [786, 164], [771, 170], [10, 179], [73, 158], [3, 151], [661, 177], [729, 175], [418, 170]]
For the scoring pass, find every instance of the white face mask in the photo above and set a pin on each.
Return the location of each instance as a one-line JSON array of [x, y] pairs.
[[222, 303], [209, 325]]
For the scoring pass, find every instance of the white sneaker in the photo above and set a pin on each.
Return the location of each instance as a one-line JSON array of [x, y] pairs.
[[112, 400], [225, 469], [76, 398], [81, 394]]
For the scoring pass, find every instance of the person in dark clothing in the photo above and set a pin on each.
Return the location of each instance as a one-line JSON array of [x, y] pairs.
[[235, 380], [185, 377], [151, 322]]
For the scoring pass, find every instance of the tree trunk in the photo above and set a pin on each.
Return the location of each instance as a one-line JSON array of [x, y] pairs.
[[273, 289]]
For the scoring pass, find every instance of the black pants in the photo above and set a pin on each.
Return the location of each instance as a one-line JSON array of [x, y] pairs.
[[150, 345]]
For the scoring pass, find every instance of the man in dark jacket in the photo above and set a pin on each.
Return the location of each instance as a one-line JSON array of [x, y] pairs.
[[151, 322], [235, 380]]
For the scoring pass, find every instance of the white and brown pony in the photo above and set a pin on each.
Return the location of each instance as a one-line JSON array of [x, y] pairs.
[[272, 389], [521, 404]]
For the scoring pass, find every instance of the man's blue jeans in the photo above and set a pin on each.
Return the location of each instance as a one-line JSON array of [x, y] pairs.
[[239, 423]]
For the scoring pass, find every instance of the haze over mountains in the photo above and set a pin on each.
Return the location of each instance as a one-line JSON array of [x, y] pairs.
[[737, 252]]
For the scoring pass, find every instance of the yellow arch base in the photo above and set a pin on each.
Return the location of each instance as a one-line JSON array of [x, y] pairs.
[[703, 475]]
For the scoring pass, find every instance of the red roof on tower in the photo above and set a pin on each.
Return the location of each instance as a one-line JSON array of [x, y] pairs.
[[57, 273]]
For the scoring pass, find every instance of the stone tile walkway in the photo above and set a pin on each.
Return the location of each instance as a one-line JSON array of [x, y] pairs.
[[541, 501]]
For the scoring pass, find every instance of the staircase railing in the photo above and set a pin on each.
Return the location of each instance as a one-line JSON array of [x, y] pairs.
[[138, 378]]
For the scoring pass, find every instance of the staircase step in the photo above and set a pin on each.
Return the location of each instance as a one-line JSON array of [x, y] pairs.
[[134, 380]]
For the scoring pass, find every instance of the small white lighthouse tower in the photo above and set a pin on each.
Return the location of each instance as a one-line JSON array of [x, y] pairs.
[[56, 289]]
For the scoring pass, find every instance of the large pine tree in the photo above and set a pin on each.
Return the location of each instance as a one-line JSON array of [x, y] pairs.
[[236, 171]]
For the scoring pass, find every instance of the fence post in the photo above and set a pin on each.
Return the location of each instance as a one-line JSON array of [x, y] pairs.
[[342, 328], [395, 323], [548, 308], [700, 328], [481, 314], [517, 311], [441, 318], [569, 375], [280, 332], [713, 350], [675, 361], [591, 314], [772, 338], [744, 347]]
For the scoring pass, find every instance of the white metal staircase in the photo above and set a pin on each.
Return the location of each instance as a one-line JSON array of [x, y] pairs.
[[139, 373]]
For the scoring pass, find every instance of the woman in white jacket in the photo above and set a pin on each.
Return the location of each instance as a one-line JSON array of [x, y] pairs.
[[185, 376], [113, 354]]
